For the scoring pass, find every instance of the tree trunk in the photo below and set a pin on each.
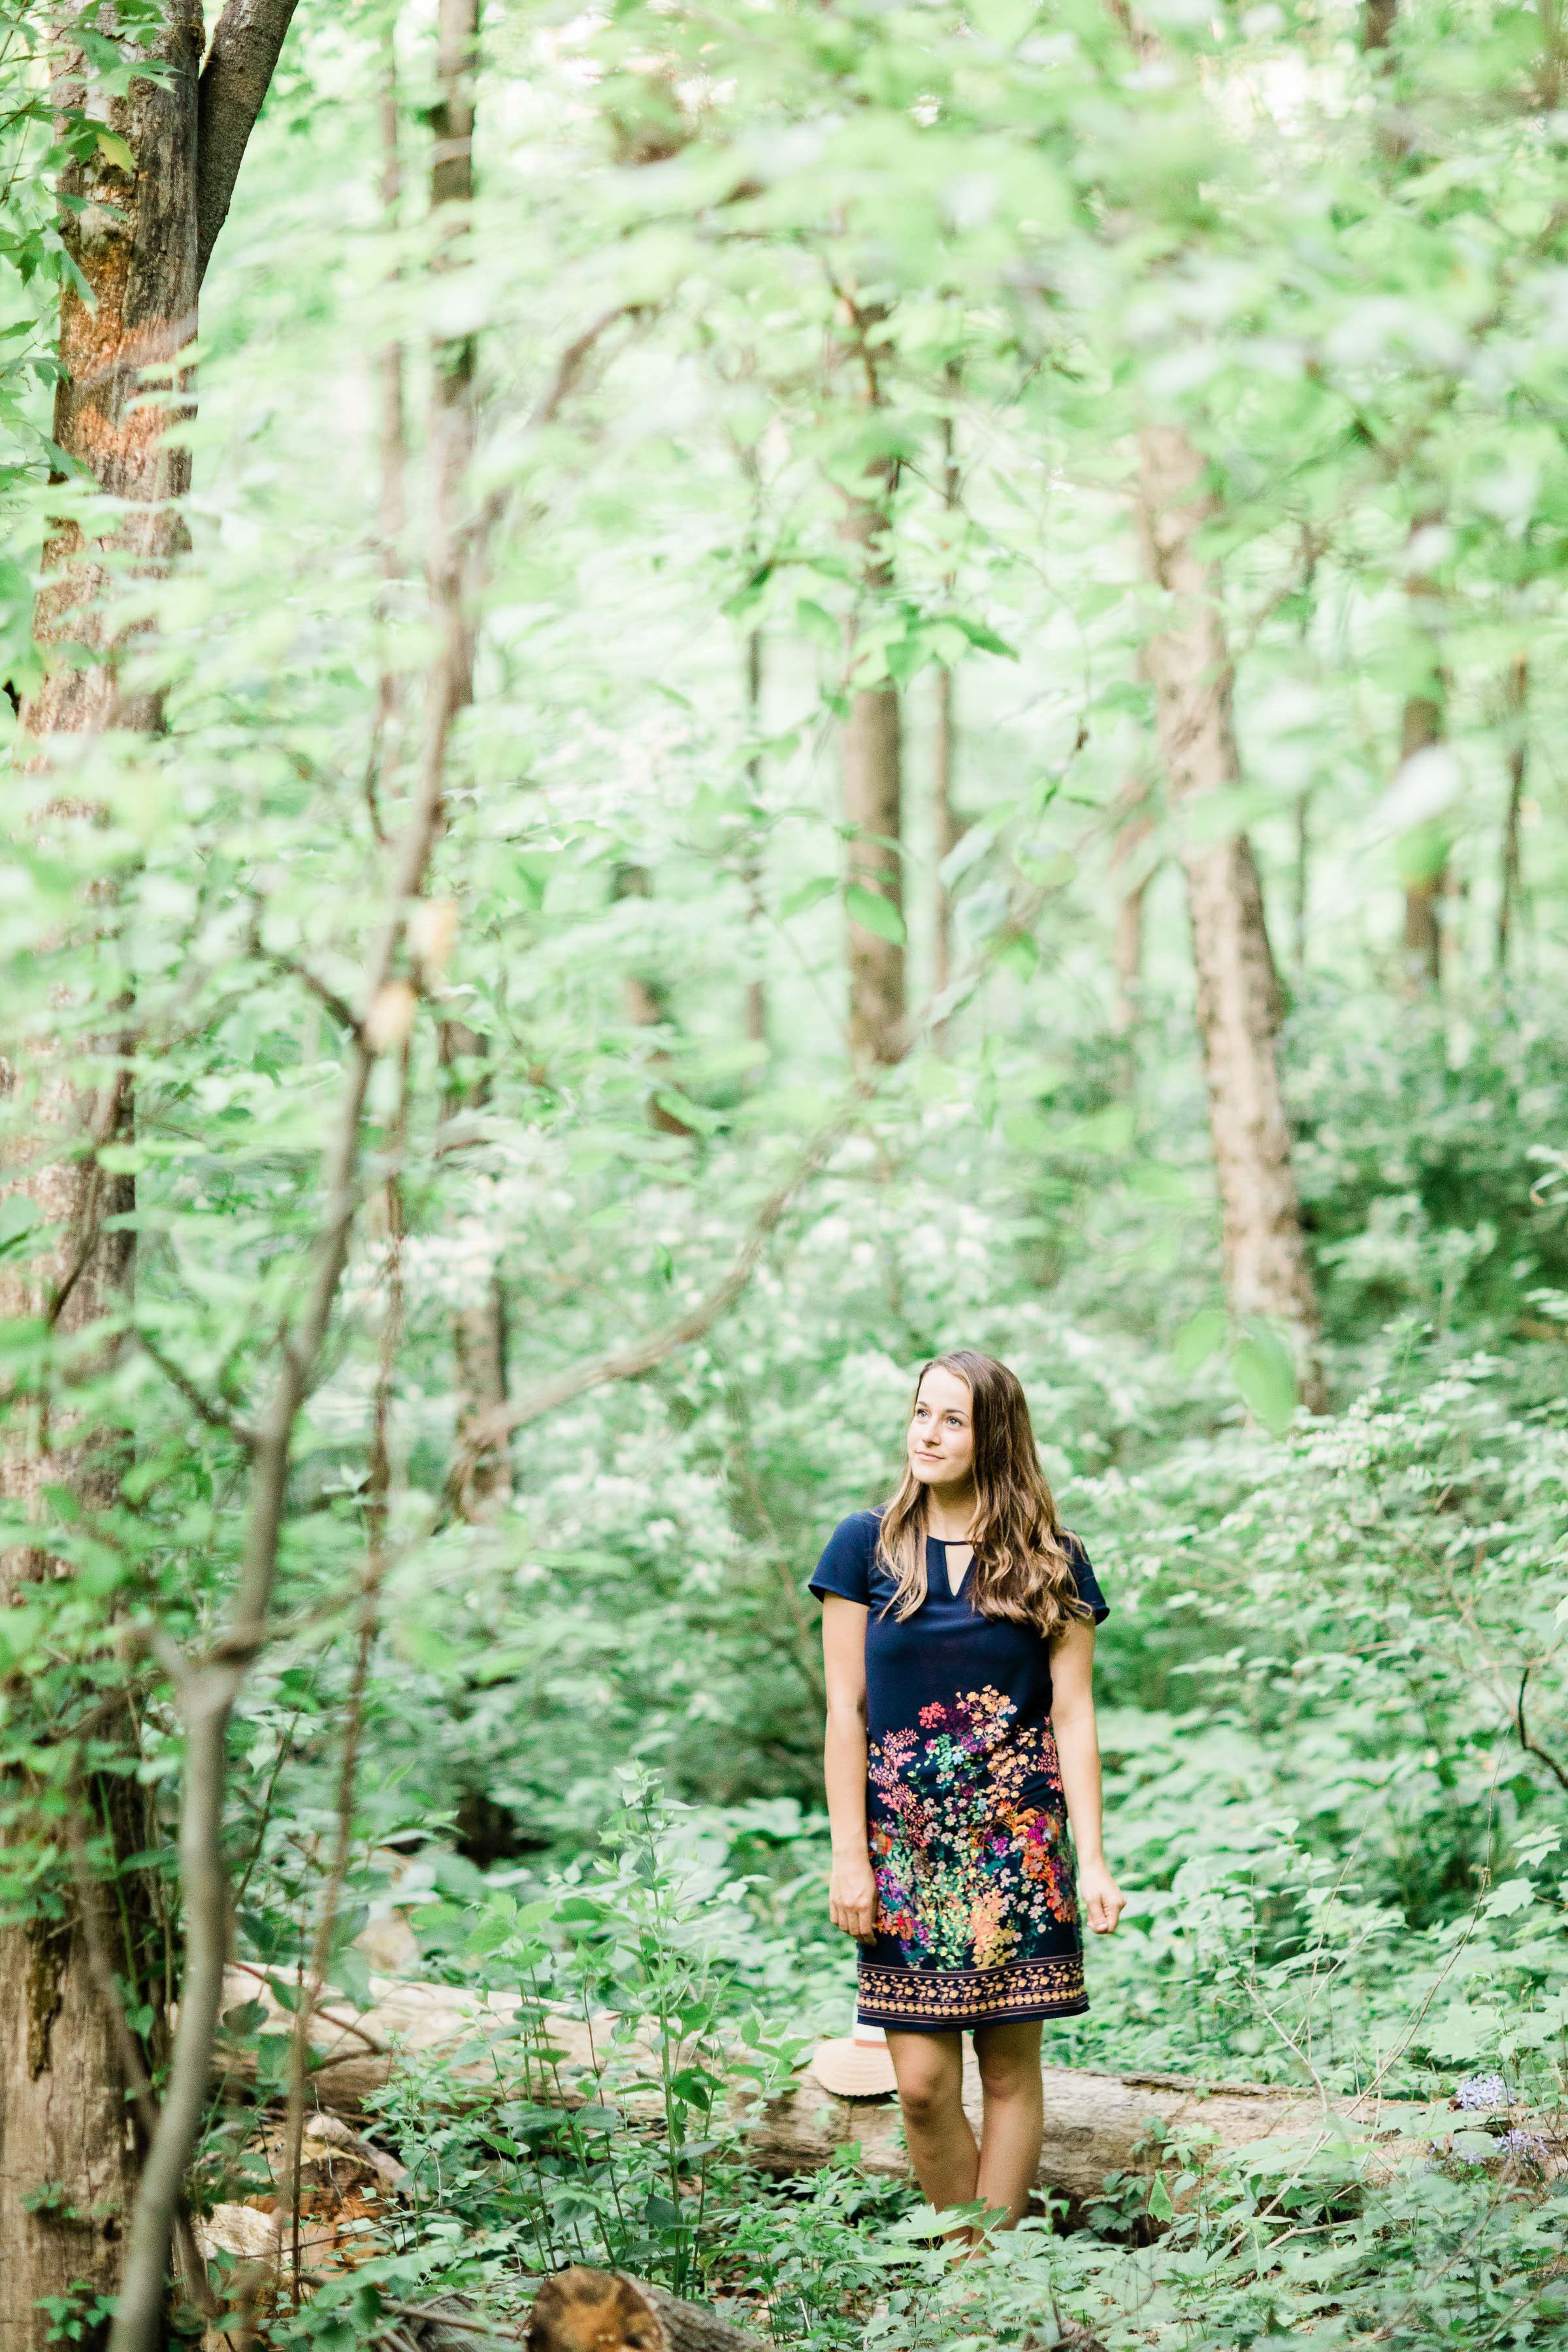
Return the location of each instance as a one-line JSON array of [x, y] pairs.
[[1133, 875], [1507, 890], [392, 429], [873, 764], [873, 812], [756, 1007], [74, 2096], [946, 830], [1265, 1267], [68, 2143], [647, 1006], [1421, 726], [479, 1329], [1301, 881], [873, 770], [1128, 951]]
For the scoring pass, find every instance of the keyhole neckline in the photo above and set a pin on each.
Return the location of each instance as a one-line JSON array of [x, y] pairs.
[[954, 1543]]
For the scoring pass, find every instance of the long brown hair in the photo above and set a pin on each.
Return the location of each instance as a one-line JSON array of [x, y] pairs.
[[1022, 1566]]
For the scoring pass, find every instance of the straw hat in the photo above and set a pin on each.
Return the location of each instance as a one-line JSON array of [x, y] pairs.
[[855, 2065]]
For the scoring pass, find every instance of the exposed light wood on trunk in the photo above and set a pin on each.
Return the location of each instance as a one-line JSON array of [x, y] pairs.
[[1238, 1003]]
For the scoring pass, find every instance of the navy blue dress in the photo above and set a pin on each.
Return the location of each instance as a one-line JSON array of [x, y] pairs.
[[977, 1918]]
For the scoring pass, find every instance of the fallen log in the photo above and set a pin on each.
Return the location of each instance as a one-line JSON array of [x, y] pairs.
[[1096, 2122]]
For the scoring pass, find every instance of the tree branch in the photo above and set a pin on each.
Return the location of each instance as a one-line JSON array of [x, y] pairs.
[[215, 1416], [630, 1364], [235, 81], [133, 2060], [1525, 1741], [341, 1011], [208, 1686]]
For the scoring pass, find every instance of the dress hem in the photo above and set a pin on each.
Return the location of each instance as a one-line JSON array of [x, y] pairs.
[[943, 2000], [967, 2024]]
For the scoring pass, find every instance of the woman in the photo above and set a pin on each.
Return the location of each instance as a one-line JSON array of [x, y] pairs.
[[958, 1633]]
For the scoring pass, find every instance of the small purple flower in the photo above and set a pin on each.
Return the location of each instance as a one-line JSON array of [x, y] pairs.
[[1478, 2091], [1523, 2148]]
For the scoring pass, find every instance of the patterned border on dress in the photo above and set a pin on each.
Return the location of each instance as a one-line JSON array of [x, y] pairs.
[[886, 1995]]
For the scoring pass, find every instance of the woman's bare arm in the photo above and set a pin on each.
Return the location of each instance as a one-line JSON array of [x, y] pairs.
[[1078, 1746], [852, 1889]]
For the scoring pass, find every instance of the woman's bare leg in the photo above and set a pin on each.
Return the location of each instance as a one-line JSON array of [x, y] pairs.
[[929, 2068], [1009, 2059]]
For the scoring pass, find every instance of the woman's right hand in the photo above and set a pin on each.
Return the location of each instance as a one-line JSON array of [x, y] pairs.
[[852, 1896]]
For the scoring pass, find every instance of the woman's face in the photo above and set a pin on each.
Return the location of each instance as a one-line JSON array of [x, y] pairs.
[[942, 1433]]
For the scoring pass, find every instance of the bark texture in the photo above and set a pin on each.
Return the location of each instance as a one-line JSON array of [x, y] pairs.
[[1238, 1005], [65, 2126], [131, 234], [71, 2136], [68, 2142]]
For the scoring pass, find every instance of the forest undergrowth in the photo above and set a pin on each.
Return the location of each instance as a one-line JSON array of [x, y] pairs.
[[1331, 1795], [699, 699]]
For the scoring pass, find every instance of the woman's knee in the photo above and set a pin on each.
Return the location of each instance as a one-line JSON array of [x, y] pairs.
[[929, 2084], [928, 2098], [1009, 2062]]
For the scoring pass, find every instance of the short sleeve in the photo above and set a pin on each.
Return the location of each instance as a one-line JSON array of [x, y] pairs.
[[1085, 1579], [845, 1568]]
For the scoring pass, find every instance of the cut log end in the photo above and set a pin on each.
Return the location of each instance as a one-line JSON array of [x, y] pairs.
[[602, 2311]]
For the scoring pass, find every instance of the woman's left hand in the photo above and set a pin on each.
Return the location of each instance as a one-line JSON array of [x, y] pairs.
[[1102, 1899]]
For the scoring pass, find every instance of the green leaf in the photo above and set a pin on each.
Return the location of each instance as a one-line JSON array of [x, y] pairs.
[[985, 640], [810, 893], [1197, 1339], [429, 1649], [1264, 1371], [874, 913], [1160, 2204], [1019, 955], [817, 624], [113, 150]]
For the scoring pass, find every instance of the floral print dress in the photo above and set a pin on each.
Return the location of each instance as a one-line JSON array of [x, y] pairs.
[[977, 1916]]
